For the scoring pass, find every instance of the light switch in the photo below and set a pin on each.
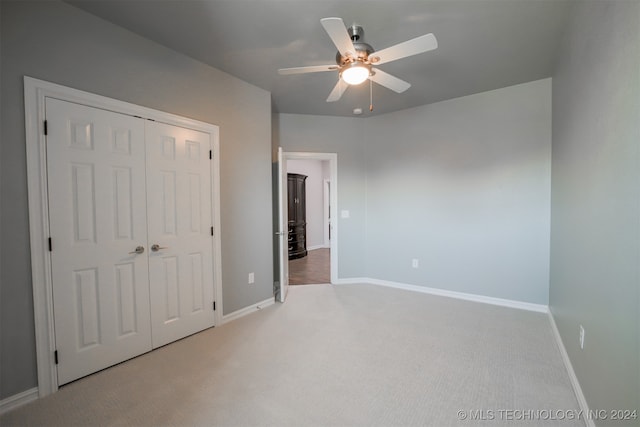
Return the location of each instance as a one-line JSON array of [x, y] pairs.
[[344, 214]]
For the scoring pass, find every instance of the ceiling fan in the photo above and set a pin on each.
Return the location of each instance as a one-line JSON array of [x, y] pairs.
[[355, 59]]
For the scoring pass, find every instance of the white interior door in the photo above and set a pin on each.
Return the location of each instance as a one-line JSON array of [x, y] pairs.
[[180, 231], [98, 216], [283, 232]]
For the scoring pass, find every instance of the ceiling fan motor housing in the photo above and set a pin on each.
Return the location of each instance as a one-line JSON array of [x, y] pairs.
[[363, 50]]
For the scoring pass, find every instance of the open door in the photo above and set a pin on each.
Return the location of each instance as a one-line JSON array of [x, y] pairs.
[[283, 229]]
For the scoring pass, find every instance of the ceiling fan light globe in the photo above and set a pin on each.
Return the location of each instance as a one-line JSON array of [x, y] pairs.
[[355, 75]]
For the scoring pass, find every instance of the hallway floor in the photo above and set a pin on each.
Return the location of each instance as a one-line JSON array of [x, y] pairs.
[[313, 269]]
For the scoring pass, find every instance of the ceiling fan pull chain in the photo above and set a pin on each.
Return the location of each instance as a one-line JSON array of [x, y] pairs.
[[370, 95]]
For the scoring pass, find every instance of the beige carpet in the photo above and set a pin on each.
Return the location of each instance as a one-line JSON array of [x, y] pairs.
[[337, 356]]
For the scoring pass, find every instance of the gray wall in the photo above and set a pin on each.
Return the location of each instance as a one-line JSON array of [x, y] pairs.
[[56, 42], [595, 215], [463, 186], [1, 203], [323, 134]]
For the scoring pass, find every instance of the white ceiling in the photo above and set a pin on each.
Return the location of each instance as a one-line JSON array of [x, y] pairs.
[[483, 44]]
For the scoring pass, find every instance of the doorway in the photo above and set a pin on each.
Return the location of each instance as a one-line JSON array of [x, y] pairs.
[[328, 161], [314, 267]]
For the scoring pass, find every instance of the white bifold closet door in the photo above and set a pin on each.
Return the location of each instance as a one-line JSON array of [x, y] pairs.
[[118, 185]]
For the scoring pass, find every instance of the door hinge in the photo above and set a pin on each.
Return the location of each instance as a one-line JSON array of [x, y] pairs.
[[212, 230], [50, 245], [214, 306], [46, 128], [55, 356], [210, 154]]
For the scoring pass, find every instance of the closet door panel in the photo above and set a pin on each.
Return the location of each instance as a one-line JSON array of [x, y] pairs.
[[179, 224], [97, 218]]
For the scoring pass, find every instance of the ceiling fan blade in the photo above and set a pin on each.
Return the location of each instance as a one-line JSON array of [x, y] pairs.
[[337, 91], [402, 50], [311, 69], [339, 35], [389, 81]]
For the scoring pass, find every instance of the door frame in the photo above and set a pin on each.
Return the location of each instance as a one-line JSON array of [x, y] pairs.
[[332, 158], [326, 213], [35, 93]]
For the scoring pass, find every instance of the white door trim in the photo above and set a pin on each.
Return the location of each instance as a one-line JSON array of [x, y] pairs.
[[326, 220], [333, 174], [35, 92]]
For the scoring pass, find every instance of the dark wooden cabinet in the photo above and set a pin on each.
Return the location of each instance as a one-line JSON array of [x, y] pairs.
[[297, 215]]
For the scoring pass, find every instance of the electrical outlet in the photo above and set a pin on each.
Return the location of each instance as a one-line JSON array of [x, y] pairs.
[[252, 278], [415, 263], [581, 338]]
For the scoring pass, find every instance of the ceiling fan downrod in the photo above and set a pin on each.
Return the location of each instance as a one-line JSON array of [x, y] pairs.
[[362, 49]]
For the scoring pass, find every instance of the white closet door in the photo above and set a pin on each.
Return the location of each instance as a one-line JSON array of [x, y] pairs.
[[98, 216], [179, 223]]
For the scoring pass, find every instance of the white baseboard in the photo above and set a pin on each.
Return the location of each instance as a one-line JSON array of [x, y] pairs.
[[313, 248], [582, 401], [352, 281], [248, 310], [451, 294], [19, 399]]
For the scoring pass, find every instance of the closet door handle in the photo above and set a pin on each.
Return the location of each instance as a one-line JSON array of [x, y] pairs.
[[138, 250], [156, 247]]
